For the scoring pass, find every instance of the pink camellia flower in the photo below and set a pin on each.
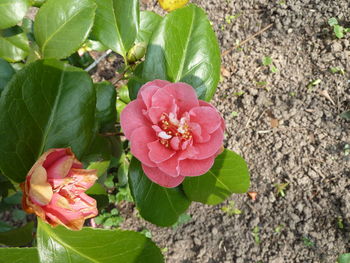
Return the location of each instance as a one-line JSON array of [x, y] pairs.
[[54, 190], [171, 132]]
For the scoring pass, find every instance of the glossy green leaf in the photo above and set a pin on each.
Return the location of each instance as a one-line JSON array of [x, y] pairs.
[[95, 45], [46, 105], [105, 106], [228, 175], [96, 189], [38, 3], [123, 94], [9, 202], [158, 205], [12, 12], [135, 82], [101, 167], [4, 226], [184, 48], [6, 73], [345, 115], [117, 23], [82, 61], [13, 46], [94, 245], [98, 192], [17, 237], [345, 258], [100, 149], [61, 27], [120, 106], [5, 186], [19, 255], [123, 170], [148, 23]]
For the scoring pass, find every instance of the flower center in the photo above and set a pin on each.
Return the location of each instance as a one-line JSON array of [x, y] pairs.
[[172, 127]]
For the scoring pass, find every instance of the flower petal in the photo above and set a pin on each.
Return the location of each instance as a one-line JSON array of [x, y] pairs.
[[210, 148], [207, 117], [60, 168], [175, 143], [40, 191], [199, 135], [190, 167], [159, 153], [162, 102], [139, 140], [85, 205], [171, 166], [185, 96], [59, 211], [132, 118], [157, 176], [146, 92], [78, 181], [206, 104]]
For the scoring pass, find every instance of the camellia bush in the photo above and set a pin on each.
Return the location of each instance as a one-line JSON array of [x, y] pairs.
[[62, 136]]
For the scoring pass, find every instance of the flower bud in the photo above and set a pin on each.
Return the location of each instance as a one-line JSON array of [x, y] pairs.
[[54, 190], [137, 52]]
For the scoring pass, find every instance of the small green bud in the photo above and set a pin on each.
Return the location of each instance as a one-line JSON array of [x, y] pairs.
[[137, 52]]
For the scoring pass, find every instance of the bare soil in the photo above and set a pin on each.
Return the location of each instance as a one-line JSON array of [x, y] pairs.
[[288, 133]]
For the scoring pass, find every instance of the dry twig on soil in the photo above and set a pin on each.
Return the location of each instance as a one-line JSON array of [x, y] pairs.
[[246, 40]]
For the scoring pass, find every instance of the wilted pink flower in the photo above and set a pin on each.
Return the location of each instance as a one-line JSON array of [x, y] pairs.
[[171, 132], [54, 190]]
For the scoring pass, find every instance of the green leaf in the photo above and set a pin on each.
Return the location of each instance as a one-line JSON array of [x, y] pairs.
[[46, 105], [19, 255], [95, 45], [38, 3], [6, 72], [82, 61], [148, 23], [98, 192], [12, 12], [267, 61], [123, 170], [120, 106], [8, 203], [62, 26], [96, 189], [158, 205], [106, 113], [339, 31], [13, 47], [184, 48], [345, 258], [135, 82], [17, 237], [100, 149], [101, 167], [18, 215], [183, 219], [345, 115], [273, 69], [332, 21], [123, 94], [5, 226], [228, 175], [117, 23], [94, 245]]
